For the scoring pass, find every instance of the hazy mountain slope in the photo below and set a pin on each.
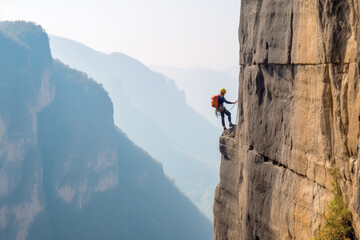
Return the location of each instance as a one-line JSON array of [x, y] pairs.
[[136, 196], [199, 85], [154, 113], [24, 92], [66, 171]]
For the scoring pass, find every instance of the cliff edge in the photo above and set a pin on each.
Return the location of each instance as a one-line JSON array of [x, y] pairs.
[[299, 109]]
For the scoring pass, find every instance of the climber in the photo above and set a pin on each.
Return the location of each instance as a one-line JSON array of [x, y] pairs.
[[218, 102]]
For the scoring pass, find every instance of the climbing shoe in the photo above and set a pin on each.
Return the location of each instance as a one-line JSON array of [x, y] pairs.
[[224, 128], [231, 125]]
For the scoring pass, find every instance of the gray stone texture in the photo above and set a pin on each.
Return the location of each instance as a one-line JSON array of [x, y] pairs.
[[298, 82]]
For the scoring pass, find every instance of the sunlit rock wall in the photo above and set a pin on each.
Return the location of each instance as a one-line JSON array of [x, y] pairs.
[[299, 85]]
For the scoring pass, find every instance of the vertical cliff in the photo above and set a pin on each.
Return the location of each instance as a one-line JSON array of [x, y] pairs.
[[299, 104], [25, 90]]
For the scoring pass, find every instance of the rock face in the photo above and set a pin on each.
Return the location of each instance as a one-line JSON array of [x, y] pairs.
[[25, 90], [299, 104]]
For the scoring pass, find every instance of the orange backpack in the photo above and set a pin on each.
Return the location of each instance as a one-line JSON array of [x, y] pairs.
[[215, 101]]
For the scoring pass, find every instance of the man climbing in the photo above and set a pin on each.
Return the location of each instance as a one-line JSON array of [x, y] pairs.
[[223, 110]]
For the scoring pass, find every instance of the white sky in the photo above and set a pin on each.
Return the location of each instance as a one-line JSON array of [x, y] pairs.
[[177, 33]]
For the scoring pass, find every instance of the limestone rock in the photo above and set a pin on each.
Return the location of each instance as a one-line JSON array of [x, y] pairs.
[[299, 85]]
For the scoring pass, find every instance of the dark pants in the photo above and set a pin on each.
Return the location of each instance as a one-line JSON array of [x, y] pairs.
[[223, 116]]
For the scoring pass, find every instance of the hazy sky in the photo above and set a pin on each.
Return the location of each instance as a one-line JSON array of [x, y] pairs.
[[178, 33]]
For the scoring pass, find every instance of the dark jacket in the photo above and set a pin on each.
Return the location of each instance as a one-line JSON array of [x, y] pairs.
[[222, 100]]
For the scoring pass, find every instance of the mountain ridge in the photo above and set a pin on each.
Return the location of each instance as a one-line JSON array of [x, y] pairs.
[[155, 116], [199, 85], [66, 171]]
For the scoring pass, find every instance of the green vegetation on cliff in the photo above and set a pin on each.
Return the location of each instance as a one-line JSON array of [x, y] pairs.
[[337, 221]]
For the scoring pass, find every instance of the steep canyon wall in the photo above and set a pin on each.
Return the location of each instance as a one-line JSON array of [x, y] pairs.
[[299, 109]]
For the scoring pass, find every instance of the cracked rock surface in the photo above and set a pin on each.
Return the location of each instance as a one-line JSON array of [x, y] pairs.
[[299, 85]]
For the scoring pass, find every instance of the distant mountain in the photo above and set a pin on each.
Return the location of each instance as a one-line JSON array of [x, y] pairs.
[[151, 110], [200, 84], [66, 171]]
